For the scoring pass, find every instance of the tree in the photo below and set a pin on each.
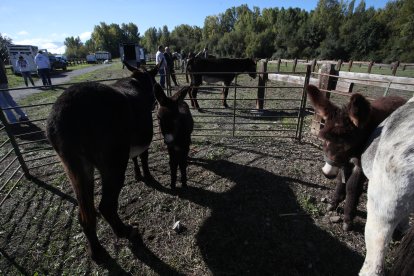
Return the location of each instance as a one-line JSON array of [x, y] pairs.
[[4, 42]]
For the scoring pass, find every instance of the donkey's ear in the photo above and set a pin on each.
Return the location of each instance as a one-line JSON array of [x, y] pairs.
[[180, 95], [160, 95], [321, 104], [129, 66], [359, 108]]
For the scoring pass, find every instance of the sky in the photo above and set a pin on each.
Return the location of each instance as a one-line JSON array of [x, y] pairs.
[[47, 23]]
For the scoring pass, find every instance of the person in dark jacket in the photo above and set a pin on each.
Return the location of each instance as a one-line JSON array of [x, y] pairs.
[[170, 65]]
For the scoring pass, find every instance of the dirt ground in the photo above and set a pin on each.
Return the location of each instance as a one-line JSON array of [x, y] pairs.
[[253, 206]]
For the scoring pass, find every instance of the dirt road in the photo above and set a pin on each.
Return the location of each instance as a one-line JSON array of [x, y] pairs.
[[59, 78]]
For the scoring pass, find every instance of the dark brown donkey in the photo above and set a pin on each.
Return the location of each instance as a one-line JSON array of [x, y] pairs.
[[345, 134], [176, 125], [93, 125], [217, 70]]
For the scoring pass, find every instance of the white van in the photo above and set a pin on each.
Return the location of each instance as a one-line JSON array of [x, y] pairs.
[[26, 51]]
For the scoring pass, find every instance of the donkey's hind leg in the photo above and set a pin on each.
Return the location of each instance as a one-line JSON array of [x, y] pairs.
[[225, 93], [145, 168], [113, 176], [137, 171], [384, 212], [80, 173], [193, 98]]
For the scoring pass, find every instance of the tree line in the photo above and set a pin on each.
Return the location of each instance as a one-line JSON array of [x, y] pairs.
[[335, 29]]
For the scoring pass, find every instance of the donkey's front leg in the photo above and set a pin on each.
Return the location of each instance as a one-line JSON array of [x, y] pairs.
[[113, 176], [173, 166], [354, 187], [183, 168], [340, 188]]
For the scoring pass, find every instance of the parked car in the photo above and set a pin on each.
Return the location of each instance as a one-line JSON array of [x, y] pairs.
[[57, 63]]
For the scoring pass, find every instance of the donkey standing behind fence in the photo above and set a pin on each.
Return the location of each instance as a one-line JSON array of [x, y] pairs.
[[93, 125], [388, 163], [176, 125], [345, 133], [216, 70]]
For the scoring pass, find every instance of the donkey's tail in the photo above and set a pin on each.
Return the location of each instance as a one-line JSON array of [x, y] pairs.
[[81, 175], [404, 261]]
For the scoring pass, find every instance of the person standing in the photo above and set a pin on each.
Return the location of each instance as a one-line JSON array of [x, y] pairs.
[[6, 100], [43, 67], [170, 65], [160, 59], [24, 69]]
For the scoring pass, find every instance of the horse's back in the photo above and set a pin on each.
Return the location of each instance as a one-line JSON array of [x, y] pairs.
[[218, 64]]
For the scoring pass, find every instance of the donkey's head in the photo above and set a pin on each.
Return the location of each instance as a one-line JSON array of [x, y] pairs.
[[343, 131], [153, 72], [173, 114]]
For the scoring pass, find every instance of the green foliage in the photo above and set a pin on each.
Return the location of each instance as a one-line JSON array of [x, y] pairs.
[[336, 29], [4, 42], [104, 38]]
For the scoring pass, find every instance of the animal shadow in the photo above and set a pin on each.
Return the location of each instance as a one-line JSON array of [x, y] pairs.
[[28, 131], [258, 228]]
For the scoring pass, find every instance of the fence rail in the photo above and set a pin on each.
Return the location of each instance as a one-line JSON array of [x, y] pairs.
[[391, 68], [273, 105]]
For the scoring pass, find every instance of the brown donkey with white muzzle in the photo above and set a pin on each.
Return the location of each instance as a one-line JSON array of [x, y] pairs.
[[176, 123], [346, 132]]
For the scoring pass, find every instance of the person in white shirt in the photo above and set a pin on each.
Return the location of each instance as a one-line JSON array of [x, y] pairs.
[[24, 69], [43, 67], [159, 58]]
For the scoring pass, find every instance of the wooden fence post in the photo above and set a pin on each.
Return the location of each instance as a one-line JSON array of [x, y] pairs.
[[278, 65], [339, 65], [395, 67], [350, 65], [371, 63], [327, 81], [313, 65], [262, 84], [295, 62], [302, 108]]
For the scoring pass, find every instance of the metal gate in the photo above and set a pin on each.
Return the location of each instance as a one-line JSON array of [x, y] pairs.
[[25, 151]]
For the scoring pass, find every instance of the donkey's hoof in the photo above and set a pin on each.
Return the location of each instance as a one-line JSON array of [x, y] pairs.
[[100, 256], [148, 179], [133, 234], [124, 232], [331, 207], [347, 226]]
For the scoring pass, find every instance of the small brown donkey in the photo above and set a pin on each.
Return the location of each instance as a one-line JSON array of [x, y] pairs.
[[93, 125], [346, 132], [176, 125]]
